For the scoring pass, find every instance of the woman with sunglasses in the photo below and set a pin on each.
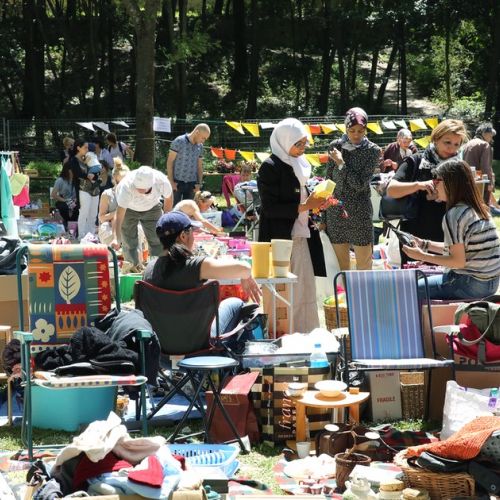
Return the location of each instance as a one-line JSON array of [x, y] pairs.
[[414, 177], [353, 162], [285, 205], [203, 201], [471, 247]]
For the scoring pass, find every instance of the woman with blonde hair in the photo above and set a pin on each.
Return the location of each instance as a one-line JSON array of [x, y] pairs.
[[203, 201], [471, 248], [414, 177]]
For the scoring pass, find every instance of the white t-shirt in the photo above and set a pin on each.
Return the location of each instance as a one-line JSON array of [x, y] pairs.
[[127, 195]]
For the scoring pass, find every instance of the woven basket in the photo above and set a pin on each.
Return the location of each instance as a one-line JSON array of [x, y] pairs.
[[331, 322], [439, 484], [412, 394]]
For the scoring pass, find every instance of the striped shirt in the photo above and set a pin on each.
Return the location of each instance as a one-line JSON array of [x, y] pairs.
[[461, 224]]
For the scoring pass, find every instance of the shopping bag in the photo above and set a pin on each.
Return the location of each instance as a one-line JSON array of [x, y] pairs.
[[324, 286], [275, 409]]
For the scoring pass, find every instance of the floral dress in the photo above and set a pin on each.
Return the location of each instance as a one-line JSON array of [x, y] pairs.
[[353, 189]]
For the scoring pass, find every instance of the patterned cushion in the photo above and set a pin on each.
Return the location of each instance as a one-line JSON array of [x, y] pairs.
[[69, 287]]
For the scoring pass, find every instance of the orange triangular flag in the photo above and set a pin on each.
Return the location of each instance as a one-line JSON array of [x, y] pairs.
[[323, 157], [315, 129], [253, 128], [217, 152], [230, 154]]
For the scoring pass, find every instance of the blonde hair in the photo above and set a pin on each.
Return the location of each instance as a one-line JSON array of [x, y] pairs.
[[200, 196], [246, 168], [120, 170], [68, 142], [450, 127]]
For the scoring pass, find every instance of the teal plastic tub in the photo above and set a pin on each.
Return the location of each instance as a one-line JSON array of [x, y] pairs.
[[68, 409]]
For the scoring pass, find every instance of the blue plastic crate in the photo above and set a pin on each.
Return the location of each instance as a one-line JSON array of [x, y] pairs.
[[209, 455]]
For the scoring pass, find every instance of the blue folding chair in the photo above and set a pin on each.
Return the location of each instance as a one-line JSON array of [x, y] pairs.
[[385, 323]]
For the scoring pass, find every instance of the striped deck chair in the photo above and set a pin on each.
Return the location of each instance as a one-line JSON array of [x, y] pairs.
[[385, 323], [69, 287]]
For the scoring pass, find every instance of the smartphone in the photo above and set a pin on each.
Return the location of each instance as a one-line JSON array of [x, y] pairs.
[[404, 238]]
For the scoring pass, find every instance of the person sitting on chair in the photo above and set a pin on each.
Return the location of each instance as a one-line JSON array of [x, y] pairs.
[[178, 269], [194, 209]]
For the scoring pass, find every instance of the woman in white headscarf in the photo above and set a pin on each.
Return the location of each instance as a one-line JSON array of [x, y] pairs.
[[285, 206]]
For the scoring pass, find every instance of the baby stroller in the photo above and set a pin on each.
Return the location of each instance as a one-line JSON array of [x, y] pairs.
[[249, 206]]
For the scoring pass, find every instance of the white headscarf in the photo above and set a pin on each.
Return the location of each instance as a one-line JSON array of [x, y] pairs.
[[284, 136]]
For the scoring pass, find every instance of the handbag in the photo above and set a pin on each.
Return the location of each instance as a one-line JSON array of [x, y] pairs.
[[404, 208], [485, 316]]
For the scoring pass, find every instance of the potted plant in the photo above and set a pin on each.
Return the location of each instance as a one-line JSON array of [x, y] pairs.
[[346, 461]]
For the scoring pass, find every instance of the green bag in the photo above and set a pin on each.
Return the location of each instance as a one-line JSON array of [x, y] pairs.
[[485, 316]]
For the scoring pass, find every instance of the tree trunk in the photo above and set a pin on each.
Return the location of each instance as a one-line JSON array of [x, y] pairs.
[[145, 27], [327, 55], [353, 71], [387, 75], [493, 86], [181, 66], [218, 5], [240, 72], [253, 85], [402, 67], [447, 71], [373, 78]]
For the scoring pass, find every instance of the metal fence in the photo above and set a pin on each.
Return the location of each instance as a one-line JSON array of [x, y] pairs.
[[41, 140]]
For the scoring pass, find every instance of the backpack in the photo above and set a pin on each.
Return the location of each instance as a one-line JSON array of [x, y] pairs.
[[485, 316]]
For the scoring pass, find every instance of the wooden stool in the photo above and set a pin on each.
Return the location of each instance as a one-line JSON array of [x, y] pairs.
[[5, 336]]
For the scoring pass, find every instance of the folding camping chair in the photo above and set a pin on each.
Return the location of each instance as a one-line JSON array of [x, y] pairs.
[[182, 322], [385, 325], [69, 287]]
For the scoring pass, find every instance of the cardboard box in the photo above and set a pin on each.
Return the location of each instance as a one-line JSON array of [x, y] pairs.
[[385, 395], [282, 310], [443, 314], [9, 311]]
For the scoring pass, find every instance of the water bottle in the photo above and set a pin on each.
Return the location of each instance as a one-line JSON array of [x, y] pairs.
[[318, 358]]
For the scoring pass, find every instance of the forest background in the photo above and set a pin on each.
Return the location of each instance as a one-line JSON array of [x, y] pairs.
[[235, 59]]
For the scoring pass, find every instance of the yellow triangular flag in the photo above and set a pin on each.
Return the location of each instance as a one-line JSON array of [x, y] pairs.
[[417, 124], [328, 128], [341, 127], [248, 155], [374, 127], [313, 159], [237, 126], [263, 156], [253, 128], [432, 122], [309, 135], [423, 141]]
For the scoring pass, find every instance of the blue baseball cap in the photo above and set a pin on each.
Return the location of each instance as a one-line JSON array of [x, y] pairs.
[[174, 222]]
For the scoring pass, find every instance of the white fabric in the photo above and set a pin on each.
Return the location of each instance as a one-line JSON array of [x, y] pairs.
[[89, 206], [305, 310], [324, 285], [127, 195]]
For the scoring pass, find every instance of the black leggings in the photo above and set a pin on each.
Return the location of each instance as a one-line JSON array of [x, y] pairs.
[[65, 214]]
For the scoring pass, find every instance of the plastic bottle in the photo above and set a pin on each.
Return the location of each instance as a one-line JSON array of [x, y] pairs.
[[318, 358]]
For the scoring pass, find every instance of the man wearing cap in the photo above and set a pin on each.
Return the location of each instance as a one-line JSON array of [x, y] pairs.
[[178, 269], [185, 162], [138, 196], [479, 153]]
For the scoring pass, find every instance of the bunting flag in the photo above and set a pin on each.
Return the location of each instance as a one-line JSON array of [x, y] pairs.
[[237, 126], [315, 128], [389, 125], [87, 125], [121, 123], [263, 156], [253, 128], [328, 128], [230, 154], [248, 155], [266, 125], [341, 127], [217, 152], [323, 157], [102, 126], [417, 124], [401, 123], [309, 135], [432, 122], [374, 127], [423, 141], [313, 159]]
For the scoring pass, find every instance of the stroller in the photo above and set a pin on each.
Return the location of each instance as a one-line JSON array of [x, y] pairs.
[[249, 207]]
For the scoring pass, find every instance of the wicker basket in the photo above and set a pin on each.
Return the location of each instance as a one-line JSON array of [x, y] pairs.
[[412, 394], [331, 321], [439, 484]]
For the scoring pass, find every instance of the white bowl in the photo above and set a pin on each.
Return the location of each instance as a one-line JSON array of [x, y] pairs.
[[330, 388], [296, 389]]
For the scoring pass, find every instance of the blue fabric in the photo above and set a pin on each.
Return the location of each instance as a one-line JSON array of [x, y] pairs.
[[229, 315], [384, 319], [452, 285]]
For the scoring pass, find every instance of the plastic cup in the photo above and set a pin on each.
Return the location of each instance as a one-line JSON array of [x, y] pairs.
[[281, 252], [303, 449], [260, 259]]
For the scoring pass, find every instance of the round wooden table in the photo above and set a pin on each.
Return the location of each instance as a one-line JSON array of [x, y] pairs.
[[314, 399]]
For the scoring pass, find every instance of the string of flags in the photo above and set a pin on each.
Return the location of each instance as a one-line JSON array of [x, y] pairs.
[[101, 125]]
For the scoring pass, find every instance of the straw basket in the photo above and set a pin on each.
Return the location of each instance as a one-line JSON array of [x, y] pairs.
[[331, 322], [412, 394], [438, 484]]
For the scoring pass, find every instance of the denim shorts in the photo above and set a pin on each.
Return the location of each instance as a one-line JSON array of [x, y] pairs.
[[452, 285]]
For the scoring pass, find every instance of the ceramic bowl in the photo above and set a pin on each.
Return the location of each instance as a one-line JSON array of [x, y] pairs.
[[296, 389], [330, 388]]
